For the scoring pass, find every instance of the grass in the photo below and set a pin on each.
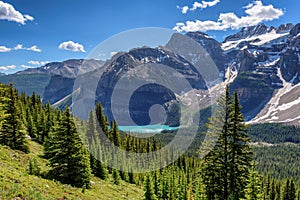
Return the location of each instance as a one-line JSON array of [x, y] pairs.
[[16, 183]]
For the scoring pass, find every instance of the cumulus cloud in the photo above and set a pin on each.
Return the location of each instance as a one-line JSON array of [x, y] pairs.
[[34, 48], [201, 5], [38, 63], [4, 49], [72, 46], [5, 68], [19, 47], [184, 9], [204, 4], [8, 12], [256, 13]]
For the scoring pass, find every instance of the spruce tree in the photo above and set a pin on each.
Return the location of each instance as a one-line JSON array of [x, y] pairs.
[[148, 187], [101, 117], [116, 177], [115, 133], [239, 152], [69, 160], [226, 166], [253, 189], [13, 133], [216, 163], [289, 190]]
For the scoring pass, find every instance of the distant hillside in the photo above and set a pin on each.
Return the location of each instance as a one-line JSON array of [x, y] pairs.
[[28, 83]]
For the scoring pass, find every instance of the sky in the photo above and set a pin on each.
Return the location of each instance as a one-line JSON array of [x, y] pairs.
[[34, 32]]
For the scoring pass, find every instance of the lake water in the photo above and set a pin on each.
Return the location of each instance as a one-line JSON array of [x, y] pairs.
[[147, 129]]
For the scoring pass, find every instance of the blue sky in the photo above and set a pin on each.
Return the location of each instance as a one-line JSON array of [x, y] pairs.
[[36, 31]]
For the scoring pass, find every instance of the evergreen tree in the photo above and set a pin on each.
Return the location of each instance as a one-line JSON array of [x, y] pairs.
[[289, 190], [240, 152], [115, 133], [253, 189], [69, 160], [116, 176], [91, 128], [101, 117], [13, 133], [226, 166], [148, 187]]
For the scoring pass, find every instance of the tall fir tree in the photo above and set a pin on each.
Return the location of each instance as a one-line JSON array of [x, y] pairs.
[[289, 190], [149, 191], [13, 133], [253, 190], [101, 117], [226, 167], [240, 154], [68, 157]]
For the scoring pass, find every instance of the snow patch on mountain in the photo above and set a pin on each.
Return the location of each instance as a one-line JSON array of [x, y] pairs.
[[255, 40], [278, 109]]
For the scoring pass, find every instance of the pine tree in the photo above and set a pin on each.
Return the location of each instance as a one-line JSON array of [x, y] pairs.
[[240, 152], [101, 117], [216, 163], [273, 191], [13, 133], [226, 166], [289, 190], [91, 128], [149, 191], [69, 160], [116, 176], [253, 189], [115, 133]]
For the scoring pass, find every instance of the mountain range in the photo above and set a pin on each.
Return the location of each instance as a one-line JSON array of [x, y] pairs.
[[261, 63]]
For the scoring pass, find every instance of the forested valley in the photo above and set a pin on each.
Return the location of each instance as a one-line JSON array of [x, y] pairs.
[[246, 161]]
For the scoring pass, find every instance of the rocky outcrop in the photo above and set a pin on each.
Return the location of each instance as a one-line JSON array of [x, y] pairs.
[[58, 89]]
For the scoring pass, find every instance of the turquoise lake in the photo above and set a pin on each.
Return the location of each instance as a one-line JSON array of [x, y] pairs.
[[147, 129]]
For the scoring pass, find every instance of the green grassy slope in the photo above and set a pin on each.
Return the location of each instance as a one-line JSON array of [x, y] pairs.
[[16, 182]]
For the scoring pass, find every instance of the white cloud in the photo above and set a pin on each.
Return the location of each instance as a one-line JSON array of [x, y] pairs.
[[4, 49], [201, 5], [8, 12], [204, 4], [256, 13], [5, 68], [19, 47], [72, 46], [184, 9], [39, 63], [34, 48]]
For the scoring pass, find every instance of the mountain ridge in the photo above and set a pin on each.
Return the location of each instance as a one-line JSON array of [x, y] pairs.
[[262, 59]]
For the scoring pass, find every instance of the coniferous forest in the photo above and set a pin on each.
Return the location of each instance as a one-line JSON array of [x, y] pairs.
[[246, 162]]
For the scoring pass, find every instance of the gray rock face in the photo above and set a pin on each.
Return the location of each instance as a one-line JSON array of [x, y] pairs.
[[124, 66]]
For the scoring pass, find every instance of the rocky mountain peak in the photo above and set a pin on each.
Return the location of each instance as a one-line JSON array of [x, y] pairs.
[[295, 30], [250, 31], [284, 28], [258, 30]]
